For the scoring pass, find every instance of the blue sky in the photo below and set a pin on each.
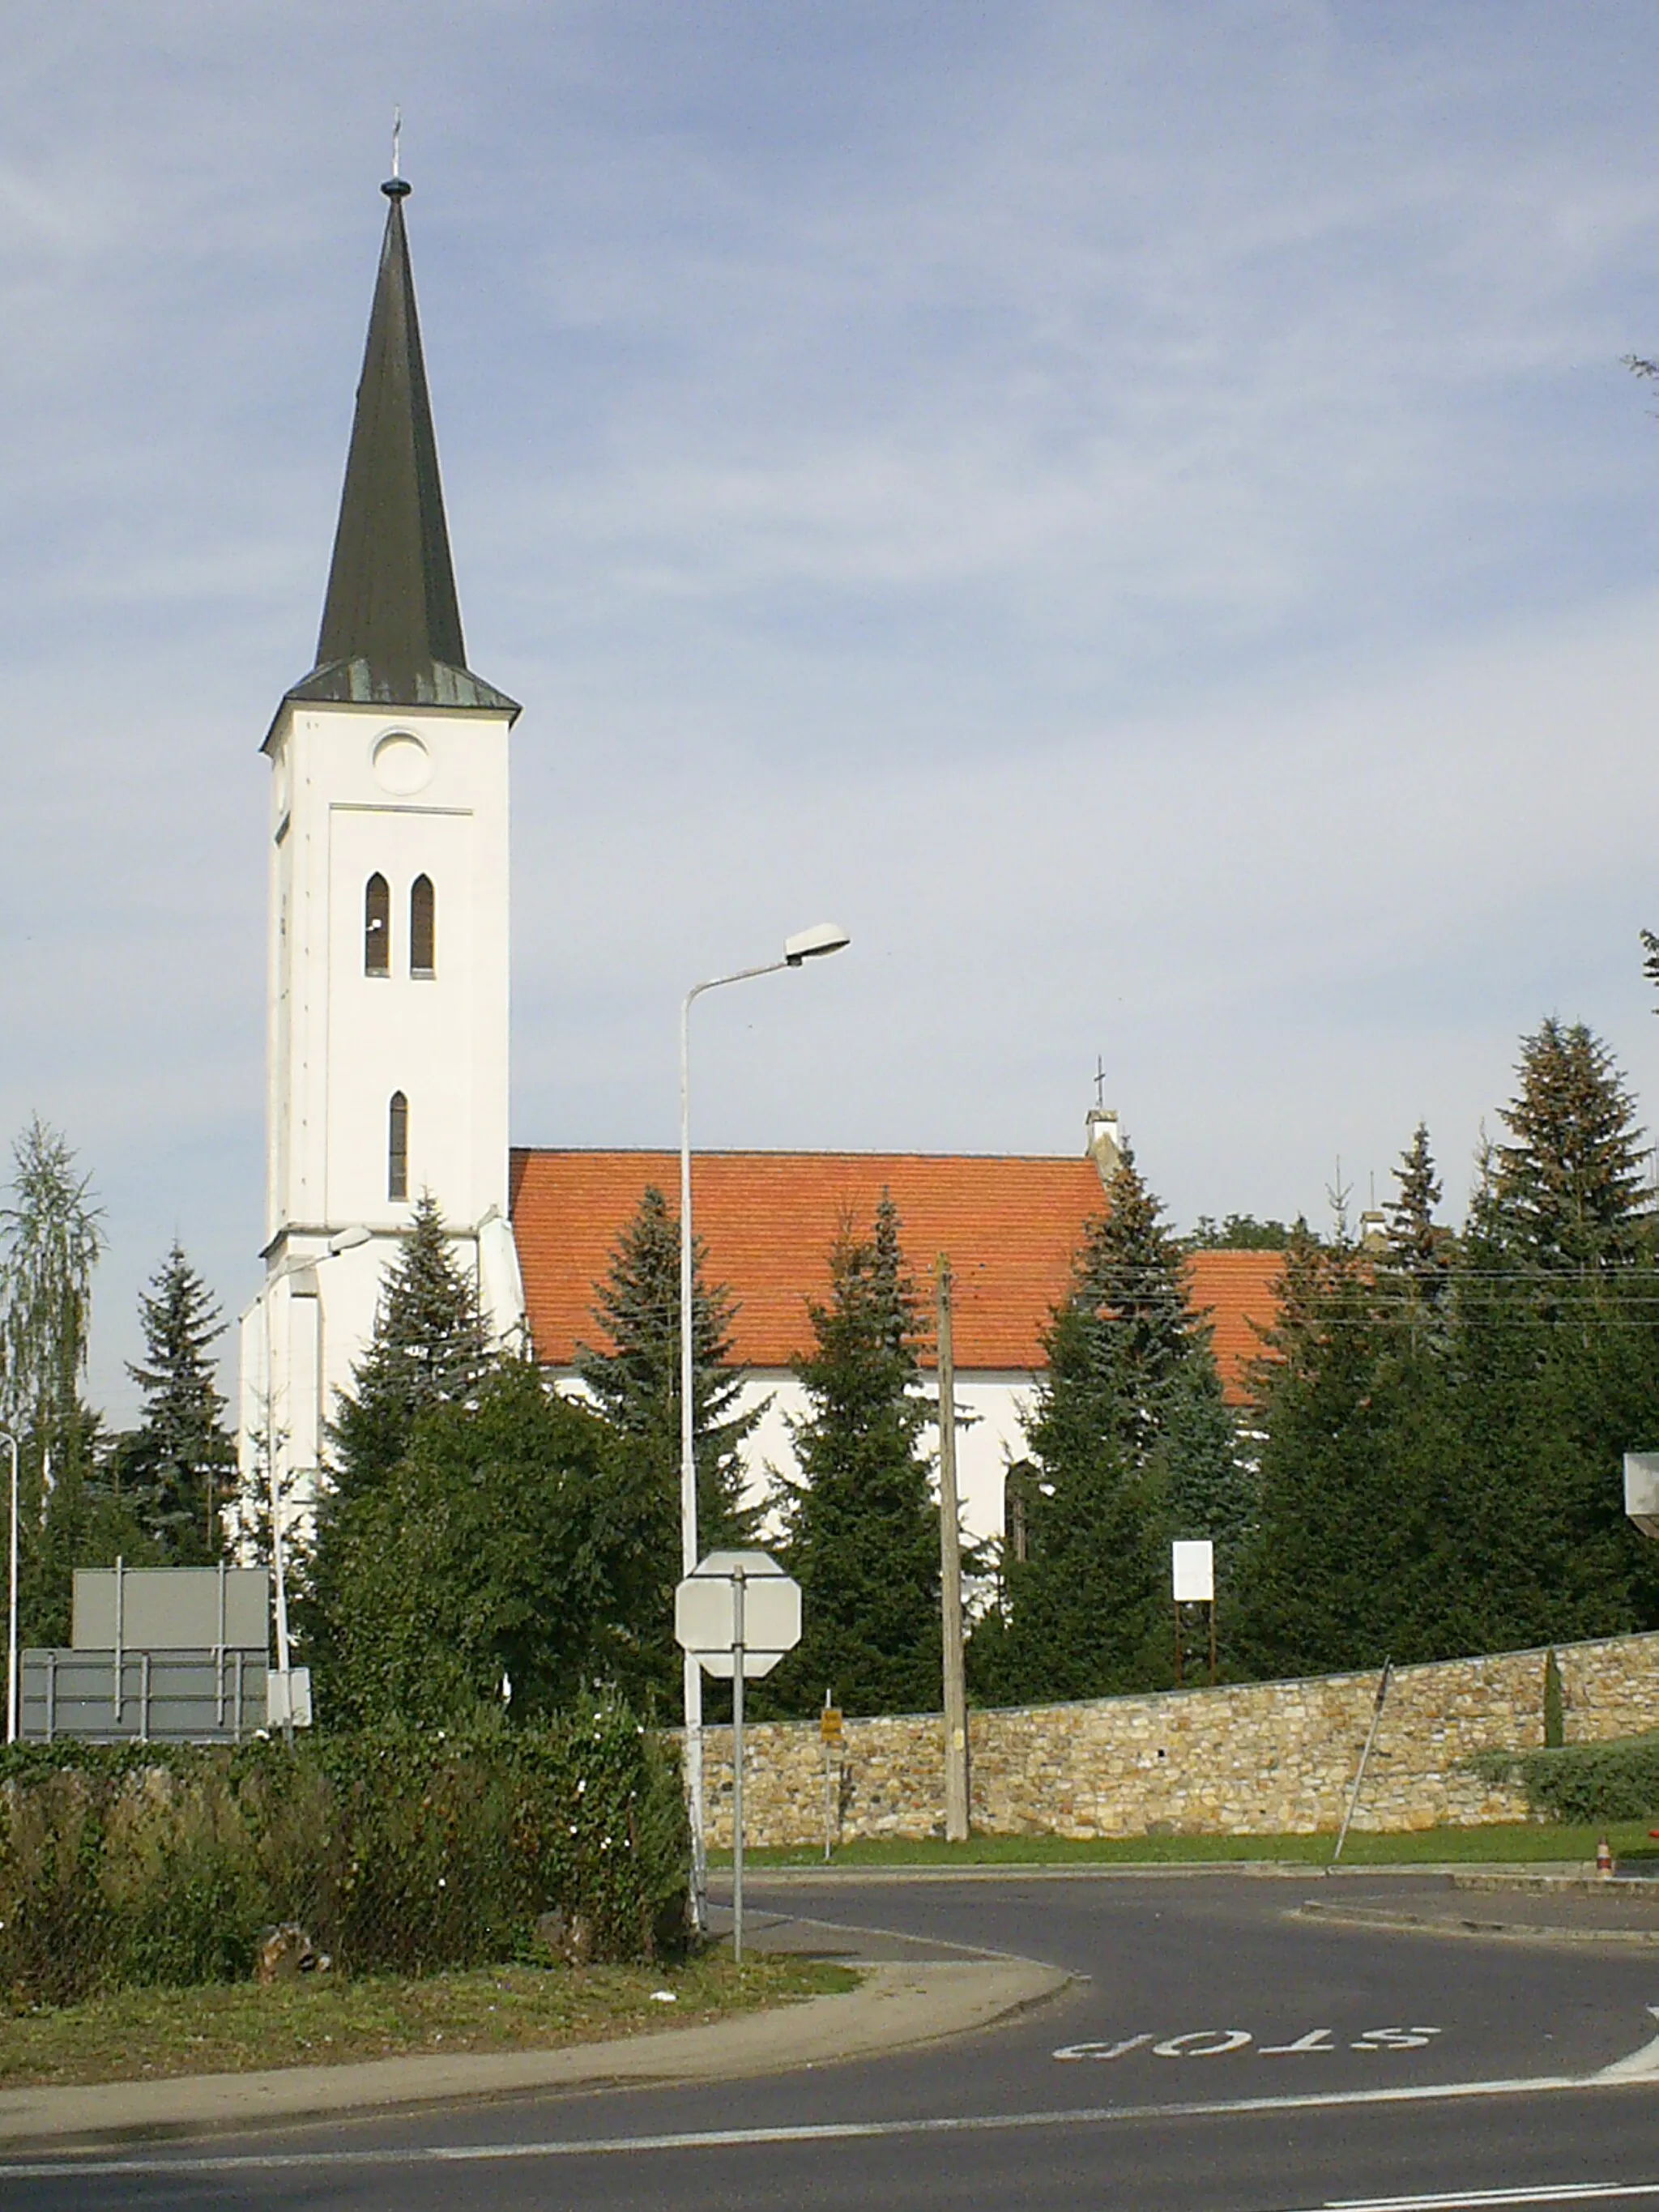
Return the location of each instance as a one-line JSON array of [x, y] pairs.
[[1134, 509]]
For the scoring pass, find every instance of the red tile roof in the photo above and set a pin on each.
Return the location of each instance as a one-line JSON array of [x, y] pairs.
[[1010, 1225]]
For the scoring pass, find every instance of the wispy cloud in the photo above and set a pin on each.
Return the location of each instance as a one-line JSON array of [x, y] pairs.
[[1136, 510]]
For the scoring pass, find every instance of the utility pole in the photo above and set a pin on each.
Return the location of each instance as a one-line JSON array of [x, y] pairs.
[[950, 1564]]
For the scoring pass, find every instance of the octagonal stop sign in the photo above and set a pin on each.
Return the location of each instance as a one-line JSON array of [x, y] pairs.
[[706, 1613]]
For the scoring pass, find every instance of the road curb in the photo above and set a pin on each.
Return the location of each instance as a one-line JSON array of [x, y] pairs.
[[894, 2007], [1427, 1923], [853, 1877]]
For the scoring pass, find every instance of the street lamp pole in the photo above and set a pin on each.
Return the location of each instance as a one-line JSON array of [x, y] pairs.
[[806, 944], [7, 1438]]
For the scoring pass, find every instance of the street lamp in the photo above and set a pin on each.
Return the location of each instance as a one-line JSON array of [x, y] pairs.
[[7, 1438], [806, 944]]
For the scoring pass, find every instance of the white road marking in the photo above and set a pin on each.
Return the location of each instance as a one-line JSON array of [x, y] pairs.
[[1103, 2050], [233, 2162], [1567, 2192], [1222, 2042]]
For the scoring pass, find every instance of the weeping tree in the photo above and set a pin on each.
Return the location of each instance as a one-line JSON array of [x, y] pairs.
[[51, 1237]]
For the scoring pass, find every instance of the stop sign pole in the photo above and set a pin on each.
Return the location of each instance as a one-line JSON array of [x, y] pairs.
[[739, 1581], [738, 1614]]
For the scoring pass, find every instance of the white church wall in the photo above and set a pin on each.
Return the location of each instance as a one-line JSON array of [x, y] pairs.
[[357, 791], [990, 1431], [992, 1409]]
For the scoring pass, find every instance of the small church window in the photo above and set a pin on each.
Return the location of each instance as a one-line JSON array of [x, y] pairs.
[[396, 1150], [422, 927], [376, 926]]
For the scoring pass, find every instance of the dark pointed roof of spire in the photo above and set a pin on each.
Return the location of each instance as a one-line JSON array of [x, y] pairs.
[[392, 623]]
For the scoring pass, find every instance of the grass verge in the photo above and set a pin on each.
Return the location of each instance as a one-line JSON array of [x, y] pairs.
[[145, 2035], [1522, 1842]]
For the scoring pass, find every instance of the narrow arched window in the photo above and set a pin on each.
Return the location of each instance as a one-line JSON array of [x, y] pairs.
[[397, 1148], [422, 927], [376, 926]]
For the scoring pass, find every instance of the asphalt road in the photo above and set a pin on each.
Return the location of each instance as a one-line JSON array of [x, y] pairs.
[[1221, 2052]]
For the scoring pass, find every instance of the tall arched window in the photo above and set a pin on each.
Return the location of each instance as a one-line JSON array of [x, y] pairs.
[[422, 927], [397, 1148], [376, 926]]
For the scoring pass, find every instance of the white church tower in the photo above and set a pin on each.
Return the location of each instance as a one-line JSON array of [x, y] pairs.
[[387, 968]]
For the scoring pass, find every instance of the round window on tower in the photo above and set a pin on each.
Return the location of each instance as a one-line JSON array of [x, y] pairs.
[[402, 763]]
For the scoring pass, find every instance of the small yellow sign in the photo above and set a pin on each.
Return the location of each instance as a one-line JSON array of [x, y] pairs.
[[829, 1724]]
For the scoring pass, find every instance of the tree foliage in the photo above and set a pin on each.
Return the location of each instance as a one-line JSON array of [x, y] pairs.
[[1568, 1193], [1131, 1443], [505, 1551], [430, 1347], [1445, 1422], [50, 1239], [429, 1351], [174, 1470], [636, 1384], [862, 1527], [1236, 1232]]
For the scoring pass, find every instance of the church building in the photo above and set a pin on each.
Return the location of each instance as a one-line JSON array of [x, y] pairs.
[[387, 1044]]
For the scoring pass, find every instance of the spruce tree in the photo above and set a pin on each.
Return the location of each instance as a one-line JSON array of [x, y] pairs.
[[1086, 1611], [429, 1350], [636, 1384], [862, 1527], [1419, 1248], [430, 1347], [1325, 1579], [1209, 1485], [174, 1470], [1568, 1193]]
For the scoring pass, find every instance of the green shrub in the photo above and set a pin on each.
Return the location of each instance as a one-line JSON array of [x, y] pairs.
[[1583, 1783], [395, 1849]]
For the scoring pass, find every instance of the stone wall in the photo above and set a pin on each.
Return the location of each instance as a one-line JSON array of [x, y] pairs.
[[1257, 1758]]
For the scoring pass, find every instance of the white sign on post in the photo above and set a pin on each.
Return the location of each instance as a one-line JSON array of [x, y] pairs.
[[705, 1613], [739, 1614], [1192, 1571]]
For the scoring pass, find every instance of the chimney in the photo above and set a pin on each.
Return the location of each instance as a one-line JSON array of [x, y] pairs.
[[1102, 1142], [1374, 1231]]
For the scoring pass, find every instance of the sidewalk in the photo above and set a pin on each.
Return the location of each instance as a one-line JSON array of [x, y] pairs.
[[896, 2006]]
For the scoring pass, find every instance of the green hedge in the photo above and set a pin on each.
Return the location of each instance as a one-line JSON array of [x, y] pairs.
[[1583, 1783], [395, 1849]]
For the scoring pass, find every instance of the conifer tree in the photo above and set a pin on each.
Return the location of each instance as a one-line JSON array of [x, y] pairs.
[[1568, 1193], [174, 1470], [430, 1347], [636, 1384], [1209, 1486], [429, 1350], [1419, 1248], [1086, 1610], [1325, 1578], [863, 1530]]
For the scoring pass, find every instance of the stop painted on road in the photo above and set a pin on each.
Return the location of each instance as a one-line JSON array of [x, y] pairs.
[[1227, 2042]]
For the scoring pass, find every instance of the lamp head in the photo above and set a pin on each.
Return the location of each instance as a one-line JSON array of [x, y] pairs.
[[812, 944]]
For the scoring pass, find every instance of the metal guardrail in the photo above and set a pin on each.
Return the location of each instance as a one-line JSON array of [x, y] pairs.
[[142, 1697]]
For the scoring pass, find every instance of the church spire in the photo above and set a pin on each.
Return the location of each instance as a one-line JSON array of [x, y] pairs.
[[391, 623]]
